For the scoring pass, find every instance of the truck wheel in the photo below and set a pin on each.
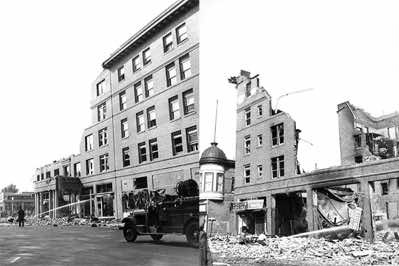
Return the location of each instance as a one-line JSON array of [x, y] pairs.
[[192, 233], [156, 237], [130, 234]]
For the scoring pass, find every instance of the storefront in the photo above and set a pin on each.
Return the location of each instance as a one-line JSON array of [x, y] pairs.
[[251, 216]]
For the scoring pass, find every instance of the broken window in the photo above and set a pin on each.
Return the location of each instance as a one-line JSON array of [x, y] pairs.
[[125, 157], [124, 128], [384, 188], [248, 89], [151, 117], [102, 137], [90, 166], [247, 173], [247, 116], [247, 144], [358, 140], [77, 170], [167, 42], [188, 101], [142, 152], [177, 143], [153, 149], [149, 86], [48, 174], [185, 67], [358, 159], [277, 134], [104, 162], [102, 188], [56, 172], [67, 171], [171, 76], [277, 166], [146, 56], [122, 100], [192, 139], [140, 182], [174, 112], [181, 33], [138, 92]]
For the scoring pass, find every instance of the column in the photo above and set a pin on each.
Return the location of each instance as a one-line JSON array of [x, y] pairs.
[[310, 209], [270, 214], [36, 205], [55, 204], [367, 218]]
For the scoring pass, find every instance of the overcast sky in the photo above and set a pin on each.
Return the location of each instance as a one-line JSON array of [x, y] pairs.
[[51, 52], [345, 50]]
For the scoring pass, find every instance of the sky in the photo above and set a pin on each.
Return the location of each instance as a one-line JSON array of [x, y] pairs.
[[343, 50], [51, 52]]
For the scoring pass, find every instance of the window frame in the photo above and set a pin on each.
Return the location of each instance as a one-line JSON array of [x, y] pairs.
[[146, 59], [174, 136], [151, 123], [192, 145], [124, 128], [185, 73], [142, 156], [179, 38], [121, 73], [171, 80], [188, 95], [167, 47], [151, 143]]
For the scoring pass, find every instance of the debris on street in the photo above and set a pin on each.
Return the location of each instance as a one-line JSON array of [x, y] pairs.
[[244, 250], [68, 221]]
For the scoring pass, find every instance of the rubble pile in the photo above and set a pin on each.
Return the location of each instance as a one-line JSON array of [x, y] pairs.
[[66, 221], [237, 250]]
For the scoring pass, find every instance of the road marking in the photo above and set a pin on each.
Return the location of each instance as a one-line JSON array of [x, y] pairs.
[[13, 260]]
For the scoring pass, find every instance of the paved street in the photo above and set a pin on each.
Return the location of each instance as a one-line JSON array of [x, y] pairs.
[[89, 246]]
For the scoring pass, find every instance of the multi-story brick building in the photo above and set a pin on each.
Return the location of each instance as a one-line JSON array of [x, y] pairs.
[[266, 150], [10, 203], [144, 131]]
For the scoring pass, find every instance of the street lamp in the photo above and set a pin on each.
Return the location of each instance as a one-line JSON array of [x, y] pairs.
[[290, 93]]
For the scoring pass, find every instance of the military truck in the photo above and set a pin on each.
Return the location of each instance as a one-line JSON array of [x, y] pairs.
[[156, 214]]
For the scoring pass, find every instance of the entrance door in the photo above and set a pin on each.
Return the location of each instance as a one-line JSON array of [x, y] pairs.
[[99, 206]]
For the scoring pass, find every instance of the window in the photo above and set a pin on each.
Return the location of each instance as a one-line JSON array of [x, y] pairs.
[[125, 157], [151, 117], [138, 92], [397, 182], [121, 73], [358, 140], [174, 112], [38, 178], [142, 152], [247, 144], [220, 178], [122, 100], [260, 140], [136, 63], [384, 188], [192, 139], [140, 182], [56, 172], [140, 121], [208, 182], [153, 149], [277, 134], [167, 42], [77, 170], [171, 76], [247, 173], [104, 162], [181, 33], [185, 67], [248, 89], [277, 166], [89, 140], [102, 137], [260, 110], [260, 170], [149, 86], [100, 88], [177, 143], [42, 176], [147, 56], [67, 171], [101, 188], [188, 101], [102, 111], [48, 174], [124, 128], [358, 159], [247, 116]]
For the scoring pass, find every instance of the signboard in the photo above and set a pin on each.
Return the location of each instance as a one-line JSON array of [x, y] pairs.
[[355, 215], [239, 206], [202, 208], [254, 204]]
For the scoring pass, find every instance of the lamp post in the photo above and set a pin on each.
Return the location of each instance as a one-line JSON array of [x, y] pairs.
[[290, 93]]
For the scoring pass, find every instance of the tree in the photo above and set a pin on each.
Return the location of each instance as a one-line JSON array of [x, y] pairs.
[[10, 188]]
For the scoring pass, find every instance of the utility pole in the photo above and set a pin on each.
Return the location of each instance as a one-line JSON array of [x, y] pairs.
[[216, 118]]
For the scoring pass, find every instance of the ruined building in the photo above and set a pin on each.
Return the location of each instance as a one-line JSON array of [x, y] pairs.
[[144, 131]]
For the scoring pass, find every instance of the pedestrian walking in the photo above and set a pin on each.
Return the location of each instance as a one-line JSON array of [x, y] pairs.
[[21, 217]]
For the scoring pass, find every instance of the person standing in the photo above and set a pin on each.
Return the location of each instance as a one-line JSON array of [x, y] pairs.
[[21, 217]]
